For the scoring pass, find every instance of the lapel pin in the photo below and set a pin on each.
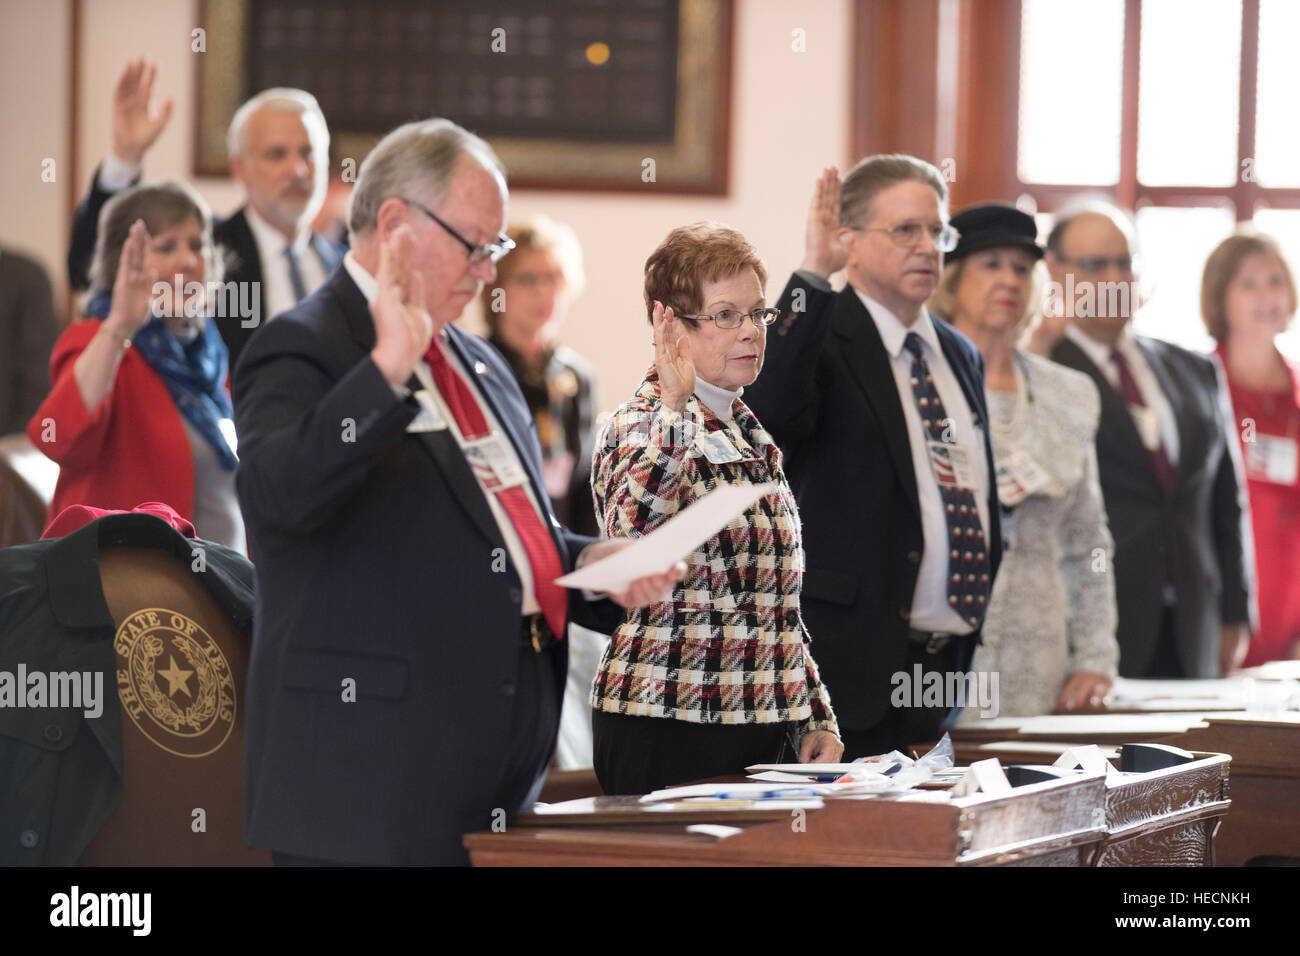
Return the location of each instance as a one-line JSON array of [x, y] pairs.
[[480, 368]]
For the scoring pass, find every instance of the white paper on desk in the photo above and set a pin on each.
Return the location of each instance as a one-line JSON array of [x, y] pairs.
[[779, 776], [1054, 725], [1090, 758], [669, 543], [794, 803], [983, 775], [736, 791]]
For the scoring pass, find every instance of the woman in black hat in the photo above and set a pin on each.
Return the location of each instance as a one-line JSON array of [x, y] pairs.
[[1050, 630]]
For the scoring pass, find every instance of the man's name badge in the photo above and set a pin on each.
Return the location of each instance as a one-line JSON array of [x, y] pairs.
[[718, 448], [494, 463], [430, 417], [1019, 476], [951, 465], [1272, 458]]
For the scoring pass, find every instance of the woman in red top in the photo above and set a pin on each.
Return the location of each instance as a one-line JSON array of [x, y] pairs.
[[1248, 296], [139, 409]]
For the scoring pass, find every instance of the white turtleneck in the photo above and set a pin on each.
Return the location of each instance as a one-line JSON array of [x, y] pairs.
[[719, 400]]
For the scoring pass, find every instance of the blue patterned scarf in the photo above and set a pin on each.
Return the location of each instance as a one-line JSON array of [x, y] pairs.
[[195, 374]]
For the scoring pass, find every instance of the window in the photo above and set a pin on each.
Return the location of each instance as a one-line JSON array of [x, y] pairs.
[[1180, 109]]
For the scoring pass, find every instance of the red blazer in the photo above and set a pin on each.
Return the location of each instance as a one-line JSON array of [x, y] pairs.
[[132, 448]]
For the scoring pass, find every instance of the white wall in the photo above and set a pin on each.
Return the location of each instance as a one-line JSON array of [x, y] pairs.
[[34, 121], [789, 118]]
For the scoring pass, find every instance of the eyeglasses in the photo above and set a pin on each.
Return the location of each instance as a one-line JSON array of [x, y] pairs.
[[496, 251], [1095, 265], [734, 318], [908, 234]]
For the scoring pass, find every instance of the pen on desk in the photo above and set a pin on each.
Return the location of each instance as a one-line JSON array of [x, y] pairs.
[[767, 794]]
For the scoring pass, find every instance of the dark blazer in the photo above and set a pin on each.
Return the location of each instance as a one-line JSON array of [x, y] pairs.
[[236, 246], [827, 394], [28, 330], [378, 559], [561, 399], [63, 770], [1193, 536]]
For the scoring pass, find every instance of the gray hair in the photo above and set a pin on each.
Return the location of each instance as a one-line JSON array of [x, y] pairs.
[[417, 157], [876, 174], [161, 206], [289, 100]]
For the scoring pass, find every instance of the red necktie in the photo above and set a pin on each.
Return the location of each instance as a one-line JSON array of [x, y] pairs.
[[1128, 388], [537, 542]]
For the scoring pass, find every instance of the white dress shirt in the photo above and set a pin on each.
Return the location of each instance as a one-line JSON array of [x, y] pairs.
[[1099, 354], [369, 287], [276, 283], [930, 608]]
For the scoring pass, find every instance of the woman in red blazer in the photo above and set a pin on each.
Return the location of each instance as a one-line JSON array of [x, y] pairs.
[[1248, 296], [139, 409]]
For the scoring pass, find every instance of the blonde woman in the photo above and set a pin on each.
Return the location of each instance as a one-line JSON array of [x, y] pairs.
[[1050, 629]]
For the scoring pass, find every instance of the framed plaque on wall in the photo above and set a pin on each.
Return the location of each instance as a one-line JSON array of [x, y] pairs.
[[572, 94]]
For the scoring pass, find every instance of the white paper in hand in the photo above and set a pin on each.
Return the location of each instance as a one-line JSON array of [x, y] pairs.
[[669, 543]]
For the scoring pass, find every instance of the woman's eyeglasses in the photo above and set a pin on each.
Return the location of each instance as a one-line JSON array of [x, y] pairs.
[[734, 318]]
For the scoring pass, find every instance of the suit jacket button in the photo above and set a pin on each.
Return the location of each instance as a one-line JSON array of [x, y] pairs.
[[516, 595], [53, 733], [28, 839], [508, 689], [914, 557], [905, 613]]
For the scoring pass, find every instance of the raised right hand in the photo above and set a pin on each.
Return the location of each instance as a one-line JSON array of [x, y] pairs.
[[134, 128], [403, 328], [672, 359], [132, 290], [824, 254]]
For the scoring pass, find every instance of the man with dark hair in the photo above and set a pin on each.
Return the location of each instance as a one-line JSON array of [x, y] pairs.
[[880, 408], [1169, 473]]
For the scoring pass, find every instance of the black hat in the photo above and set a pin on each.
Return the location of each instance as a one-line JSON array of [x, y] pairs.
[[987, 225]]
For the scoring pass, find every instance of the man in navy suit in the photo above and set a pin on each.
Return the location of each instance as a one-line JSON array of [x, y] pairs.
[[880, 408], [408, 660], [279, 151]]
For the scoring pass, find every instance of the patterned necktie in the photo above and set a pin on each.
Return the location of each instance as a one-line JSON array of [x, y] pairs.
[[295, 274], [1128, 388], [968, 559], [543, 558]]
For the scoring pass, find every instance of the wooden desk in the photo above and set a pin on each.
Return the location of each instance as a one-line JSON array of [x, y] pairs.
[[1265, 751], [1054, 823]]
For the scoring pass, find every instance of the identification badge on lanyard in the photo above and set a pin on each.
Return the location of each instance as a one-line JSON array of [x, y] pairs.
[[1272, 458], [951, 465], [494, 463], [718, 448], [1019, 476], [430, 417]]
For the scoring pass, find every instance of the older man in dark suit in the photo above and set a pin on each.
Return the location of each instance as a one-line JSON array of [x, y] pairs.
[[408, 657], [880, 408], [1184, 575], [279, 151]]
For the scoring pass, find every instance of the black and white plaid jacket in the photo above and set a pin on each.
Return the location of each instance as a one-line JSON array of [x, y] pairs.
[[730, 646]]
